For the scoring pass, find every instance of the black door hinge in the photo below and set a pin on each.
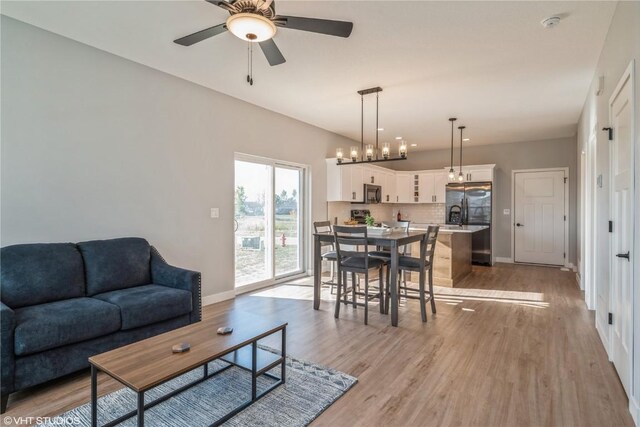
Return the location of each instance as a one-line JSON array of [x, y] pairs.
[[610, 130], [565, 179], [611, 318], [610, 226], [565, 217], [564, 255]]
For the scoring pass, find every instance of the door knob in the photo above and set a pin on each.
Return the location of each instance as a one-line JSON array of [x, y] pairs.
[[624, 256], [519, 225]]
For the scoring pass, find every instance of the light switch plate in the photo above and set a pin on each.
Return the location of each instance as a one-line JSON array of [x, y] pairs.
[[506, 212], [215, 212]]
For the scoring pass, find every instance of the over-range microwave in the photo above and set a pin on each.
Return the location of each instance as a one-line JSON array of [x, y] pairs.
[[372, 194]]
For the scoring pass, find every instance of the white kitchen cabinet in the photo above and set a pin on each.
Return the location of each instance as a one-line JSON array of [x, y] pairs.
[[440, 187], [373, 175], [357, 182], [389, 194], [476, 173], [426, 187], [404, 187], [344, 183]]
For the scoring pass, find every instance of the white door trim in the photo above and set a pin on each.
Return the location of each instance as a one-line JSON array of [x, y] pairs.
[[627, 76], [567, 264], [588, 220], [305, 230]]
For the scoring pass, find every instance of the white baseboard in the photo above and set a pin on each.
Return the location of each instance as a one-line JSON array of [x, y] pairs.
[[219, 297], [604, 337], [634, 409], [506, 260]]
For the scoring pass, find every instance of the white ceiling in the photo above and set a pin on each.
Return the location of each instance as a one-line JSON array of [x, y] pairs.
[[491, 64]]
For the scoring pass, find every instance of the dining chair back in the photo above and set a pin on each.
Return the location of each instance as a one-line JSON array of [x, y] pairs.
[[330, 255], [350, 259], [423, 265], [347, 242]]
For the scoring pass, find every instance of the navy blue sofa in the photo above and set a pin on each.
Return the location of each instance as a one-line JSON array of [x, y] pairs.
[[64, 302]]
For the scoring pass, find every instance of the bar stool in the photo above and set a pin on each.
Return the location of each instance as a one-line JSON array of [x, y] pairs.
[[356, 262], [424, 266], [330, 256]]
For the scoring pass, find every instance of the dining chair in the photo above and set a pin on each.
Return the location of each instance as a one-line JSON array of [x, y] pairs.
[[329, 256], [385, 253], [424, 266], [350, 259]]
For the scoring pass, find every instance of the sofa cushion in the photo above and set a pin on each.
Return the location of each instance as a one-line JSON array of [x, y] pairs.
[[144, 305], [42, 272], [46, 326], [116, 264]]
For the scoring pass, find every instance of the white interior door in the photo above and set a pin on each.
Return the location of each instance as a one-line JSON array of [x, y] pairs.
[[539, 217], [621, 271]]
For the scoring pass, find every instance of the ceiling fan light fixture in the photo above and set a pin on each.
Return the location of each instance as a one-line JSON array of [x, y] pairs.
[[251, 27]]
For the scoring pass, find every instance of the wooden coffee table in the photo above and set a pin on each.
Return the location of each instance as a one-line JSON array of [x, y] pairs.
[[147, 364]]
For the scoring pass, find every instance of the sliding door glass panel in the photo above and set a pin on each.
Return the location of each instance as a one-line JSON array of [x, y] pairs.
[[287, 233], [253, 213]]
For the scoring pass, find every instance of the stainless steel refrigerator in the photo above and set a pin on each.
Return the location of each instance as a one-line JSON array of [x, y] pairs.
[[470, 204]]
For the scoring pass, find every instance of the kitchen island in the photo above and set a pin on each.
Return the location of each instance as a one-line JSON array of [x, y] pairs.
[[452, 257]]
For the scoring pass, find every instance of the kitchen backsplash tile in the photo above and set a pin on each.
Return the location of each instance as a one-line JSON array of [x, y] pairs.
[[433, 213]]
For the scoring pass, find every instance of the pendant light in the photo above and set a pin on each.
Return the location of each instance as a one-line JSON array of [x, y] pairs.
[[460, 175], [369, 153], [452, 173]]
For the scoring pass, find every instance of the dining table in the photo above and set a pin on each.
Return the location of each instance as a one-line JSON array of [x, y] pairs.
[[394, 240]]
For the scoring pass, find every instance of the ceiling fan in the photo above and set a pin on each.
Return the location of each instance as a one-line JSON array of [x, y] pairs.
[[256, 21]]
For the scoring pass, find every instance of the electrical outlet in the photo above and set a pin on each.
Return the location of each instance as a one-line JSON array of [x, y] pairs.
[[215, 212], [506, 212]]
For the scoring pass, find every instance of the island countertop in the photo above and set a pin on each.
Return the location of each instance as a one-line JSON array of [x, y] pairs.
[[450, 228]]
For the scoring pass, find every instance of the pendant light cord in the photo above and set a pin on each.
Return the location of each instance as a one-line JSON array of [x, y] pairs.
[[452, 119], [461, 129]]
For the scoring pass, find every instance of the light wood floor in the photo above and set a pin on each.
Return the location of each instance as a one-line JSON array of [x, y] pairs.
[[515, 347]]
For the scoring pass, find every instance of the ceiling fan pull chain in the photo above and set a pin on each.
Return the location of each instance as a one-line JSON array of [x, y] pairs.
[[250, 64]]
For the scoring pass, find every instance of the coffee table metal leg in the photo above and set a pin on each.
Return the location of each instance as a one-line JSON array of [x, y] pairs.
[[254, 369], [284, 354], [94, 396], [141, 409]]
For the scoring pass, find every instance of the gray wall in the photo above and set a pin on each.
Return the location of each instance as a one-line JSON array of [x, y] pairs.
[[508, 157], [95, 146]]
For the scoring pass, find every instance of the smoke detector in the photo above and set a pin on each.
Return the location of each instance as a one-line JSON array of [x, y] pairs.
[[550, 22]]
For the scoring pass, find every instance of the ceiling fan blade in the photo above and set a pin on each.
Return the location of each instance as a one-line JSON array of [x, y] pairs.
[[322, 26], [201, 35], [223, 4], [271, 51]]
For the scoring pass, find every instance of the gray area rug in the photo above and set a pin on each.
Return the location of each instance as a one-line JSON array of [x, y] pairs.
[[309, 390]]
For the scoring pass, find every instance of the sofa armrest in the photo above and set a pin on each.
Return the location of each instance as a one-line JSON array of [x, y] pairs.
[[164, 274], [7, 368]]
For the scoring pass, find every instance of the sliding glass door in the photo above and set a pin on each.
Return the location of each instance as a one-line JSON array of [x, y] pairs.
[[269, 204]]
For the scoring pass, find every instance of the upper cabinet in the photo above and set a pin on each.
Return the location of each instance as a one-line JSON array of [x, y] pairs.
[[404, 187], [477, 173], [432, 186], [346, 183], [389, 193], [440, 187]]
